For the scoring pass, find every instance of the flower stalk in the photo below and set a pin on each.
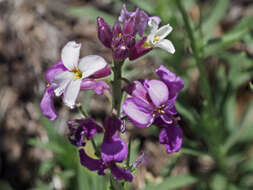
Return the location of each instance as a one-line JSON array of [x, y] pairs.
[[116, 86], [197, 55]]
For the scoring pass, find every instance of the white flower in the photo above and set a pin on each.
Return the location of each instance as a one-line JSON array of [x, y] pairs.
[[68, 83], [157, 36]]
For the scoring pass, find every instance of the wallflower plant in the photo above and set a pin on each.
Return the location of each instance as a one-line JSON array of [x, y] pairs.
[[149, 102]]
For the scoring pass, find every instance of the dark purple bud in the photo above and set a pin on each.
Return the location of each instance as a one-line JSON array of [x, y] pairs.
[[116, 30], [129, 27], [104, 32], [121, 52], [139, 50], [129, 40]]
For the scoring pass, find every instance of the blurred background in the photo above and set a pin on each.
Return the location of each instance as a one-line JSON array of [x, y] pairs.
[[217, 152]]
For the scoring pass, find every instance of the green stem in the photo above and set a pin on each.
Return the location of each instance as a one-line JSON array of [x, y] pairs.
[[129, 152], [82, 111], [116, 86], [97, 153], [197, 55]]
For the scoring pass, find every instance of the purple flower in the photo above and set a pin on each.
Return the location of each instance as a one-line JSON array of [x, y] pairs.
[[149, 102], [172, 138], [104, 32], [139, 49], [139, 17], [173, 82], [70, 76], [153, 102], [47, 102], [68, 83], [82, 129], [113, 150]]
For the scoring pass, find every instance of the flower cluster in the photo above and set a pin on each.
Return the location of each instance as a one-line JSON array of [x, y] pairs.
[[153, 102], [148, 102], [122, 40]]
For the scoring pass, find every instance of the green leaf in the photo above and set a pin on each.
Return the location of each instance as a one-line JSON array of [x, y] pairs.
[[115, 185], [5, 185], [174, 182], [216, 46], [91, 13], [218, 11], [219, 182]]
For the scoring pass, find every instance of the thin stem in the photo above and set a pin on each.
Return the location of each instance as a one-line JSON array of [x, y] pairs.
[[116, 85], [95, 147], [82, 111], [129, 152], [197, 55]]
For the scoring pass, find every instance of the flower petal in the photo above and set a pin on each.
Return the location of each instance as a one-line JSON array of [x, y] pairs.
[[90, 163], [157, 19], [171, 137], [138, 111], [100, 87], [54, 70], [91, 64], [71, 93], [70, 55], [102, 73], [138, 50], [120, 173], [164, 31], [114, 150], [141, 22], [47, 104], [152, 23], [166, 45], [137, 90], [158, 92], [61, 81], [174, 83], [104, 32]]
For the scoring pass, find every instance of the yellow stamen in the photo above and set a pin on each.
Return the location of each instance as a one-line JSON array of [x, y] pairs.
[[147, 45], [120, 35], [156, 38], [48, 84], [77, 72], [159, 110]]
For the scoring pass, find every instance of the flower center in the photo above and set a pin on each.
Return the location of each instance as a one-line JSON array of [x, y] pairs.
[[159, 110], [147, 45], [120, 35], [77, 72], [156, 39]]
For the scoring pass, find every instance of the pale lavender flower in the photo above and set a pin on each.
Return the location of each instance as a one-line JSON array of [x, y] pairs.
[[157, 36], [47, 102], [68, 83], [153, 102]]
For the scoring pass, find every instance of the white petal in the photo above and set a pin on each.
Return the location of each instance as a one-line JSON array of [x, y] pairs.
[[166, 45], [71, 93], [164, 31], [152, 23], [90, 64], [61, 81], [70, 55]]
